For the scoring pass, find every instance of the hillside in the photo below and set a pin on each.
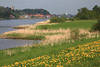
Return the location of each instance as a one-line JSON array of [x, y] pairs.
[[6, 12]]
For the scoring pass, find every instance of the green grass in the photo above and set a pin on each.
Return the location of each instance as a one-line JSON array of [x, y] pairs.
[[89, 62], [84, 24], [25, 53], [24, 36], [34, 37], [14, 35]]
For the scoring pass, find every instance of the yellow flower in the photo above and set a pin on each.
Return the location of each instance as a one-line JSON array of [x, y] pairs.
[[16, 63], [59, 66]]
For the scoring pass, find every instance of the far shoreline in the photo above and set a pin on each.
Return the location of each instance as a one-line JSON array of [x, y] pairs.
[[21, 27]]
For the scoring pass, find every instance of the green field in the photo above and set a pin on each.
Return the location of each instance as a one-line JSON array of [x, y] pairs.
[[77, 24]]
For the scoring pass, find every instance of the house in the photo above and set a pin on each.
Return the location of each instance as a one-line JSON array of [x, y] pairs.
[[39, 15], [12, 16], [48, 16], [28, 16], [25, 17]]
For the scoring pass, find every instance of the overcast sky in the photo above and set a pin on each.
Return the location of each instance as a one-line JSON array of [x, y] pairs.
[[53, 6]]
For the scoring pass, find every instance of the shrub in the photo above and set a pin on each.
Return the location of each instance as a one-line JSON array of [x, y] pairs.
[[74, 34], [96, 27], [71, 19], [58, 20]]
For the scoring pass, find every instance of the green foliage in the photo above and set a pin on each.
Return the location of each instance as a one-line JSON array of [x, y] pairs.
[[96, 10], [84, 13], [5, 12], [96, 27], [30, 11], [35, 11], [58, 20]]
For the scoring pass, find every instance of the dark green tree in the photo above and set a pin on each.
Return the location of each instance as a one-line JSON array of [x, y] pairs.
[[96, 10], [83, 13], [5, 12], [96, 27], [58, 20]]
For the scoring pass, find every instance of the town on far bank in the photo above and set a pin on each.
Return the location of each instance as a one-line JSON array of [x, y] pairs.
[[12, 13]]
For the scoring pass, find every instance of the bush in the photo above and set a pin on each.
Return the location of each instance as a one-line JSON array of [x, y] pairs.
[[58, 20], [96, 27]]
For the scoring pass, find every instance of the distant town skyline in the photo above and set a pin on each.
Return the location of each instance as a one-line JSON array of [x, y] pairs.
[[53, 6]]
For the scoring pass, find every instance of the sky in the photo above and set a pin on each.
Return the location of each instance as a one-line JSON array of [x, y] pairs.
[[53, 6]]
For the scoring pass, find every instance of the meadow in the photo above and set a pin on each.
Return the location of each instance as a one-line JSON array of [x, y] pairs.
[[77, 24], [73, 52], [20, 54]]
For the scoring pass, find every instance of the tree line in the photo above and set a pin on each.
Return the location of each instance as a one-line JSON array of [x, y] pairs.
[[85, 13], [6, 12]]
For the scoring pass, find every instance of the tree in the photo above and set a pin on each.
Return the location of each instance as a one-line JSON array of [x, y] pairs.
[[58, 20], [83, 13], [96, 10], [96, 27], [5, 12], [35, 11]]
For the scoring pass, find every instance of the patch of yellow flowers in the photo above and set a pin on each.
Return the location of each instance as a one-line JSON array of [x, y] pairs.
[[67, 56]]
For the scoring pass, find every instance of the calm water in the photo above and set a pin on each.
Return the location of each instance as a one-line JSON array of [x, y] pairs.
[[6, 25]]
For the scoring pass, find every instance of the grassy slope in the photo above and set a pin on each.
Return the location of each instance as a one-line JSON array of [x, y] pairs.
[[32, 52], [84, 24]]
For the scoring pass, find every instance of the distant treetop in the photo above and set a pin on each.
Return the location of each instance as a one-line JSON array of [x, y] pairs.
[[6, 12]]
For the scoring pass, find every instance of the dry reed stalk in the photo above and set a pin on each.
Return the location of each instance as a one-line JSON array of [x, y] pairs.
[[62, 34]]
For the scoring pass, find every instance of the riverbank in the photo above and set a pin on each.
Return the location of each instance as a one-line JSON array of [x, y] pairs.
[[60, 47], [48, 35], [30, 32], [22, 29]]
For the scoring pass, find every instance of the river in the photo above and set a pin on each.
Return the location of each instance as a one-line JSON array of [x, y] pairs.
[[6, 25]]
